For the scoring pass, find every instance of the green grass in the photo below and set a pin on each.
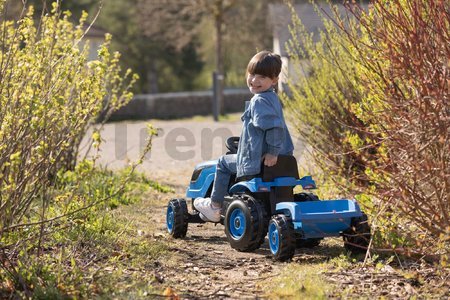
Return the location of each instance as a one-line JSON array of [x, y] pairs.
[[137, 255], [303, 277], [298, 281]]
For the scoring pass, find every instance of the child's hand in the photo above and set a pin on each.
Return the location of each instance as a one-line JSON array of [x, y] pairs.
[[269, 160]]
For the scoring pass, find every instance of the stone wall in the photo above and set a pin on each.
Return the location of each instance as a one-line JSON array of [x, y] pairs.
[[179, 105]]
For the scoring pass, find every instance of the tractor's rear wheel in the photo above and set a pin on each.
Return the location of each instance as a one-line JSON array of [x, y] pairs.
[[177, 218], [245, 223]]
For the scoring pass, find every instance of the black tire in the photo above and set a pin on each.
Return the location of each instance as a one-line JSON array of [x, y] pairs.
[[308, 243], [177, 218], [303, 197], [357, 237], [281, 238], [245, 223]]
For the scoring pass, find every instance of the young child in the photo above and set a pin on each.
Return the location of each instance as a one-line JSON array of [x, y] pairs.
[[264, 134]]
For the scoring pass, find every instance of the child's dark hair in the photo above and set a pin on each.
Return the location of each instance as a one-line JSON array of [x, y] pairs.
[[265, 63]]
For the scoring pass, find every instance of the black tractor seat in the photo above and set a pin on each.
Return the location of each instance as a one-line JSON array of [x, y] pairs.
[[286, 167]]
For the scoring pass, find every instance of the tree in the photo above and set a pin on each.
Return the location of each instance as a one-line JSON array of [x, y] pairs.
[[161, 64], [175, 45], [219, 9], [240, 27], [175, 22]]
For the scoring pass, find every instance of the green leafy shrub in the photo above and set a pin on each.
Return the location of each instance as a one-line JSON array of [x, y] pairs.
[[325, 89], [50, 94]]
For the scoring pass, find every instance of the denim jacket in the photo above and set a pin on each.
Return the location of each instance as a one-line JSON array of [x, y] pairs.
[[264, 131]]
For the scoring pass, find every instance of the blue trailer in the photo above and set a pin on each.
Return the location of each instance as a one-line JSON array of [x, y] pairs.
[[265, 205]]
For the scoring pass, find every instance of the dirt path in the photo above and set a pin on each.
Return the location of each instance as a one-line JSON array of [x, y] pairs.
[[205, 265], [209, 267]]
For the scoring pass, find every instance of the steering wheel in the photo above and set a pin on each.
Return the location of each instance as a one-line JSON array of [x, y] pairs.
[[232, 144]]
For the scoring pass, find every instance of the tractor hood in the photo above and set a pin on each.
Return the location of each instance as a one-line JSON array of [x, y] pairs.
[[201, 180]]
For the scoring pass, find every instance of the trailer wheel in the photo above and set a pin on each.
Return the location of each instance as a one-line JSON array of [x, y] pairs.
[[303, 197], [281, 238], [357, 237], [177, 218], [245, 223]]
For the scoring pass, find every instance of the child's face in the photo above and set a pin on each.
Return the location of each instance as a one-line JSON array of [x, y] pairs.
[[260, 83]]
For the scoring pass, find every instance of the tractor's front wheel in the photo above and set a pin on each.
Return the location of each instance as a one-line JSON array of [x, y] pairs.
[[177, 218], [357, 237], [245, 223], [281, 237]]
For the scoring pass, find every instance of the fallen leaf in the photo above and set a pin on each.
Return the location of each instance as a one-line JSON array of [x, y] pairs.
[[170, 293]]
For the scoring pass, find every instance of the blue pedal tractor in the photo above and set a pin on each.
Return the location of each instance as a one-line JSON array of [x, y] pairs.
[[265, 205]]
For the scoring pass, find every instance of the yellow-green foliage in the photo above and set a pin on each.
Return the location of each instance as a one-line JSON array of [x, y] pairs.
[[328, 102], [49, 95], [326, 96]]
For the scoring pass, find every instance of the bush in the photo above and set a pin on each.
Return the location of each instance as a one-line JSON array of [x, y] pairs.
[[413, 118], [325, 91], [79, 242], [50, 94], [374, 107]]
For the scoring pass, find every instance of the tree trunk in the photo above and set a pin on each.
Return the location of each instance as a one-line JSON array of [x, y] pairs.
[[219, 59]]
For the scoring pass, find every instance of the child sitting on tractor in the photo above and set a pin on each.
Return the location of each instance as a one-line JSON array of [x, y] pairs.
[[264, 134]]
